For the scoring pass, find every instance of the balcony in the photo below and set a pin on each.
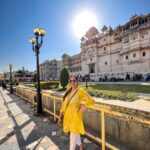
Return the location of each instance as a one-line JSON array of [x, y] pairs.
[[135, 47], [135, 61], [105, 52], [116, 50]]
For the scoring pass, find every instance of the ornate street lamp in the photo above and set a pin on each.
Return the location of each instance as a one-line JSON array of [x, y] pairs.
[[36, 45], [11, 86], [86, 80]]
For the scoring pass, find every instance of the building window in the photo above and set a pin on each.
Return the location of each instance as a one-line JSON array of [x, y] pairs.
[[144, 54], [127, 57], [134, 36], [117, 61], [126, 40], [144, 33], [134, 55], [105, 62], [104, 40], [104, 48]]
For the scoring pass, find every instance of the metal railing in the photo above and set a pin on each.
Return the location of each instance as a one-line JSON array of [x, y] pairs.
[[96, 107]]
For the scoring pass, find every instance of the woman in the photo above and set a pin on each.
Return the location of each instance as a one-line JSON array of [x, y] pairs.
[[74, 102]]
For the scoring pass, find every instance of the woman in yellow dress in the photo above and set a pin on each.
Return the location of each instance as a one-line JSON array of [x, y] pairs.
[[74, 102]]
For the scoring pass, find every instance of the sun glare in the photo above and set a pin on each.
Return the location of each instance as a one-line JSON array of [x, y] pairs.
[[83, 22]]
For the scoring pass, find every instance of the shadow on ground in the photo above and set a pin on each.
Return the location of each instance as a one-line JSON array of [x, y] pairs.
[[28, 131]]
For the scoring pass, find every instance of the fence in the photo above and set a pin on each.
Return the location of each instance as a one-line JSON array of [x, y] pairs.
[[29, 94]]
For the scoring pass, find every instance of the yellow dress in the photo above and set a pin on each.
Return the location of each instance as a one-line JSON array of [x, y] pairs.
[[73, 116]]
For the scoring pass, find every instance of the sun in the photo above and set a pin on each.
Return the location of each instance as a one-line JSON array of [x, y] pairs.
[[83, 22]]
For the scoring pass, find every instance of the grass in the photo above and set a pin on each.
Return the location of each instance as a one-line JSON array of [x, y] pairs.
[[95, 90], [148, 99], [106, 94], [122, 88], [115, 91]]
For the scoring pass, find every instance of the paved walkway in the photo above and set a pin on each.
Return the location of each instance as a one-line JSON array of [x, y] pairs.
[[21, 130]]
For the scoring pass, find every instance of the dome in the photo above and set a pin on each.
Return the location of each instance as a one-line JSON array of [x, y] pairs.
[[91, 32]]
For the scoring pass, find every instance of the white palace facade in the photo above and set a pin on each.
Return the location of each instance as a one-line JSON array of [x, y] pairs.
[[113, 52]]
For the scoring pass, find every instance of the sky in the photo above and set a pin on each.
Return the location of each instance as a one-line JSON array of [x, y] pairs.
[[18, 18]]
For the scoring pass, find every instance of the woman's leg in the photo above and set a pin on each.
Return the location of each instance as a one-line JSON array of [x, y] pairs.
[[72, 141], [81, 147], [75, 139], [79, 142]]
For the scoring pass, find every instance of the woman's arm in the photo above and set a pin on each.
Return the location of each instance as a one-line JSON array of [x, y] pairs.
[[61, 113], [85, 97], [59, 120]]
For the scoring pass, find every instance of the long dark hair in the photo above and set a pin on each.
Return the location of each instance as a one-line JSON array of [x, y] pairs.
[[67, 93], [70, 89]]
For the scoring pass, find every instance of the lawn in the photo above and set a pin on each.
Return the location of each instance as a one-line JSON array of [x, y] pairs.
[[115, 91], [122, 88]]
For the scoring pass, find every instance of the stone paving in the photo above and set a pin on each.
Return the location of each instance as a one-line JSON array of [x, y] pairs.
[[20, 129]]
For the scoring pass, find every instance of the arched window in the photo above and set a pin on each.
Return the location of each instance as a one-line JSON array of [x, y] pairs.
[[126, 40], [144, 54], [134, 55], [127, 57]]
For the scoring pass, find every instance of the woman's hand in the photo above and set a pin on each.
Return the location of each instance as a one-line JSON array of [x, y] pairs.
[[59, 121], [82, 107]]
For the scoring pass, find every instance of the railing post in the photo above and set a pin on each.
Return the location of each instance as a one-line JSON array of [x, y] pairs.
[[103, 129], [33, 101], [22, 92], [54, 102]]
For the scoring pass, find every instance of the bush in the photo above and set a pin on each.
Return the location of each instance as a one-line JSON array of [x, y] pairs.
[[112, 94], [48, 85], [64, 76], [15, 83]]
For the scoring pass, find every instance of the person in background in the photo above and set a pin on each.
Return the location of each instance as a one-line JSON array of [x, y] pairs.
[[3, 85], [74, 103]]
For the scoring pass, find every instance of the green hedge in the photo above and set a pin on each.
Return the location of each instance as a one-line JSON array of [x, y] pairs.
[[15, 83], [48, 85], [113, 94]]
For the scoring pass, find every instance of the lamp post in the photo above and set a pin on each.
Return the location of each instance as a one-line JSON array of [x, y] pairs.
[[86, 80], [5, 75], [36, 45], [11, 86]]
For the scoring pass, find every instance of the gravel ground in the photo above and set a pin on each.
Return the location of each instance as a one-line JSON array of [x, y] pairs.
[[140, 104]]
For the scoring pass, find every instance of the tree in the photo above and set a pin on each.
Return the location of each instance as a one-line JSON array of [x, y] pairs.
[[64, 76], [5, 75]]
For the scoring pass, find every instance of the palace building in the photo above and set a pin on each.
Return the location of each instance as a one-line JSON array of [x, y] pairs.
[[113, 53], [49, 70]]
